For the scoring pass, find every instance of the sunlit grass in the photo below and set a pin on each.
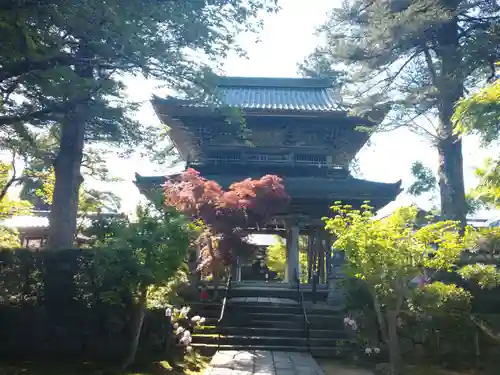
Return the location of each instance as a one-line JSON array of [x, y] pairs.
[[193, 365]]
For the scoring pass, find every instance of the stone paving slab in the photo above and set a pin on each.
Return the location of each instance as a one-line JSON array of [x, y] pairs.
[[243, 362]]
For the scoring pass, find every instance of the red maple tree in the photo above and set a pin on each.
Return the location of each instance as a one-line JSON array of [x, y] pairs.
[[226, 214]]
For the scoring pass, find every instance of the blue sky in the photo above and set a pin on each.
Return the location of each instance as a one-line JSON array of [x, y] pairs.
[[286, 39]]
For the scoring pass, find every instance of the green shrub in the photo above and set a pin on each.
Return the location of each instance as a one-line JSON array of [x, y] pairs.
[[79, 320]]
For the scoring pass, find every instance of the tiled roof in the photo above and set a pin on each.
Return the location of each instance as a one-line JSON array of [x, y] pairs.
[[25, 221], [38, 220], [292, 94], [305, 187]]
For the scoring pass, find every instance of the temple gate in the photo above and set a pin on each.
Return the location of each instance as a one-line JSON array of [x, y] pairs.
[[293, 129]]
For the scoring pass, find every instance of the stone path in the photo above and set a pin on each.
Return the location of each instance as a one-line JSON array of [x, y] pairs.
[[243, 362]]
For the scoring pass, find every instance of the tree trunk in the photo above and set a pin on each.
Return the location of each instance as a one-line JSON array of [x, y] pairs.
[[451, 86], [64, 208], [394, 351], [380, 318], [451, 180], [136, 329]]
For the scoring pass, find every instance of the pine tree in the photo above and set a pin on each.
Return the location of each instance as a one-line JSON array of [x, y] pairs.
[[62, 63], [419, 57]]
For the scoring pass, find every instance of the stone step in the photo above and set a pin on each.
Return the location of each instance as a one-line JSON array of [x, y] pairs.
[[316, 351], [325, 322], [262, 323], [259, 285], [256, 316], [278, 315], [311, 309], [260, 340], [201, 306], [276, 293], [209, 313], [272, 331], [333, 325], [268, 312], [263, 308]]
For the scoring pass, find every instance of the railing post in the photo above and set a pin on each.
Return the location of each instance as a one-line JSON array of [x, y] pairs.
[[300, 299], [223, 307]]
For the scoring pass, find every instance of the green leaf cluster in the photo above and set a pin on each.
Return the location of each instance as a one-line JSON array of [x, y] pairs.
[[9, 238], [145, 253], [488, 187], [388, 254], [480, 113], [9, 207], [276, 257], [425, 181], [441, 298]]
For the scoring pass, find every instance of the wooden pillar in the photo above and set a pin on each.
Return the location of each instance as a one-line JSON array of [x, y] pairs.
[[328, 254], [292, 246], [310, 239], [236, 270], [321, 263], [316, 248], [325, 256]]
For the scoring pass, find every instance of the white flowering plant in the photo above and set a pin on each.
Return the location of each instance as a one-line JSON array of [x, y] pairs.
[[362, 337], [183, 325]]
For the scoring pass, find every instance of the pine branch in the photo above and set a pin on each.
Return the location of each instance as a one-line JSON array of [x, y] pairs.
[[27, 65]]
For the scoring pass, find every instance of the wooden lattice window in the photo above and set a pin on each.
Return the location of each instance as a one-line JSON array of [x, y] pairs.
[[270, 158], [224, 157], [310, 159]]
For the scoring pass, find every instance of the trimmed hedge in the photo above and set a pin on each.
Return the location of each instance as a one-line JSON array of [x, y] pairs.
[[53, 305]]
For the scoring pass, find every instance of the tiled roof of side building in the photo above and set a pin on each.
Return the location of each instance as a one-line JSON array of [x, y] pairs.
[[293, 94]]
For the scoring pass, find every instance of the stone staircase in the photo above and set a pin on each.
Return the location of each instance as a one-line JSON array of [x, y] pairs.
[[275, 289], [270, 323]]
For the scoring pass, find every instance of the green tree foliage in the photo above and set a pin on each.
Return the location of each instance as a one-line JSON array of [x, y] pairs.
[[480, 114], [143, 254], [416, 57], [8, 237], [487, 246], [389, 254], [425, 181], [89, 200], [276, 257], [38, 176], [63, 63], [487, 190]]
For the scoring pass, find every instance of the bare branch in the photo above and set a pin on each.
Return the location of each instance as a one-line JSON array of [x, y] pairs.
[[391, 78]]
